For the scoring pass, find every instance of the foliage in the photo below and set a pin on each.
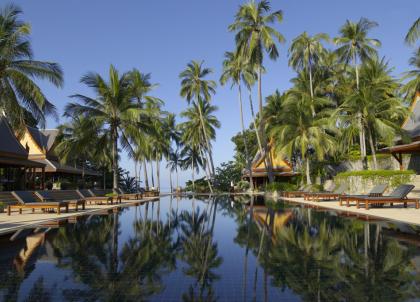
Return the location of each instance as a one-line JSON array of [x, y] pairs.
[[391, 177], [226, 173], [280, 186], [243, 185], [251, 139], [201, 185]]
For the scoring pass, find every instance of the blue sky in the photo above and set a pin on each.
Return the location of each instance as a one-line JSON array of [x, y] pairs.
[[161, 37]]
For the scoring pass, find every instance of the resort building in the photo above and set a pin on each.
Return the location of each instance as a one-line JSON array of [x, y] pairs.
[[17, 172], [40, 144], [412, 126], [282, 169]]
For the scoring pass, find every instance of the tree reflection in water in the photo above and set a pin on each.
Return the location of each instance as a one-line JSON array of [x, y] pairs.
[[173, 248]]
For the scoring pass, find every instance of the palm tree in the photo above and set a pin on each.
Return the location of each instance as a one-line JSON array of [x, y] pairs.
[[296, 131], [233, 68], [191, 159], [173, 164], [305, 53], [112, 109], [413, 85], [19, 93], [413, 33], [195, 87], [254, 37], [354, 45]]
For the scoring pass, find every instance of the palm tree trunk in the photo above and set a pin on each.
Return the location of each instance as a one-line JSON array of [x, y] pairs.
[[206, 138], [261, 129], [362, 137], [207, 173], [177, 178], [158, 174], [248, 159], [311, 87], [170, 181], [104, 184], [372, 148], [193, 179], [135, 174], [308, 172], [151, 172], [257, 133], [146, 178], [115, 159]]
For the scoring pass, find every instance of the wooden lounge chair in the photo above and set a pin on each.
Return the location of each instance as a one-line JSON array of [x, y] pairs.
[[90, 197], [376, 191], [72, 197], [128, 196], [28, 200], [295, 194], [317, 196], [399, 195]]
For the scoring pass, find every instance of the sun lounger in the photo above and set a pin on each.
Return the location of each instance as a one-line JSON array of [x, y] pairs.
[[317, 196], [376, 191], [90, 197], [28, 200], [128, 196], [70, 196], [295, 194], [399, 195]]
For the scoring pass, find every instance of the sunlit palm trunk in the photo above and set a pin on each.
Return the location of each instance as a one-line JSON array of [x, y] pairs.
[[372, 148], [308, 171], [151, 173], [146, 178], [170, 181], [362, 136], [261, 129], [193, 175], [177, 178], [207, 173], [206, 138], [135, 174], [311, 87], [158, 174], [115, 159], [248, 160]]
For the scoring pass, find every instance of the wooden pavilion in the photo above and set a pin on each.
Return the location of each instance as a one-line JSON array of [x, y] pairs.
[[282, 169], [412, 126], [17, 172]]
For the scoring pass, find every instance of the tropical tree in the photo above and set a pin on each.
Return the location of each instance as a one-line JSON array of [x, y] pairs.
[[195, 88], [412, 87], [19, 94], [305, 53], [296, 131], [191, 159], [112, 109], [413, 33], [355, 46], [173, 164], [254, 37], [233, 68]]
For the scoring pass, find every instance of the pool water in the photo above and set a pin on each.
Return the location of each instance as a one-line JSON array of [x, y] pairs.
[[213, 249]]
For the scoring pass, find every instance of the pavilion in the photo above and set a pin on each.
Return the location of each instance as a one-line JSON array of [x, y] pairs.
[[17, 172], [282, 169], [41, 147], [412, 126]]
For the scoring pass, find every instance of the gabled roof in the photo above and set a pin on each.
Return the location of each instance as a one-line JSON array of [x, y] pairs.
[[9, 145], [44, 138], [412, 123]]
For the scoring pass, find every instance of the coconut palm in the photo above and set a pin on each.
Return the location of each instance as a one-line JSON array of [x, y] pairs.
[[191, 159], [195, 88], [112, 109], [173, 164], [354, 46], [19, 93], [413, 33], [413, 85], [233, 68], [254, 37], [297, 131], [305, 53]]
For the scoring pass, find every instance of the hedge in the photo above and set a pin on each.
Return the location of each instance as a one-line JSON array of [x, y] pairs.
[[392, 177]]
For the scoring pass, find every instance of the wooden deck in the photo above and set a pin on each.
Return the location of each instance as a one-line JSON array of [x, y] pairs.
[[409, 215], [16, 221]]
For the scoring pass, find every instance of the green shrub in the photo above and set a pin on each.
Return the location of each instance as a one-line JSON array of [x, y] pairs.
[[243, 185], [392, 177], [2, 206], [280, 186]]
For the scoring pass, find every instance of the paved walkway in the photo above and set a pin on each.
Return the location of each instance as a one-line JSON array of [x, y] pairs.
[[398, 213], [27, 219]]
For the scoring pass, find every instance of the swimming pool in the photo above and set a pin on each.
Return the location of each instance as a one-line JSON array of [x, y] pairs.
[[214, 249]]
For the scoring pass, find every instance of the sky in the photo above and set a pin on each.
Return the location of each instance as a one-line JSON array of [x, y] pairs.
[[161, 37]]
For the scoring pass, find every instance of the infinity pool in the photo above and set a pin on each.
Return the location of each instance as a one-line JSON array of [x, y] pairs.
[[216, 249]]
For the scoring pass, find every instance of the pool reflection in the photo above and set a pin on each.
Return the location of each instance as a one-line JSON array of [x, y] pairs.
[[216, 249]]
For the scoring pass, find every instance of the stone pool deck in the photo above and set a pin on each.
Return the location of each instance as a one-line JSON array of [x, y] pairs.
[[397, 213], [16, 221]]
